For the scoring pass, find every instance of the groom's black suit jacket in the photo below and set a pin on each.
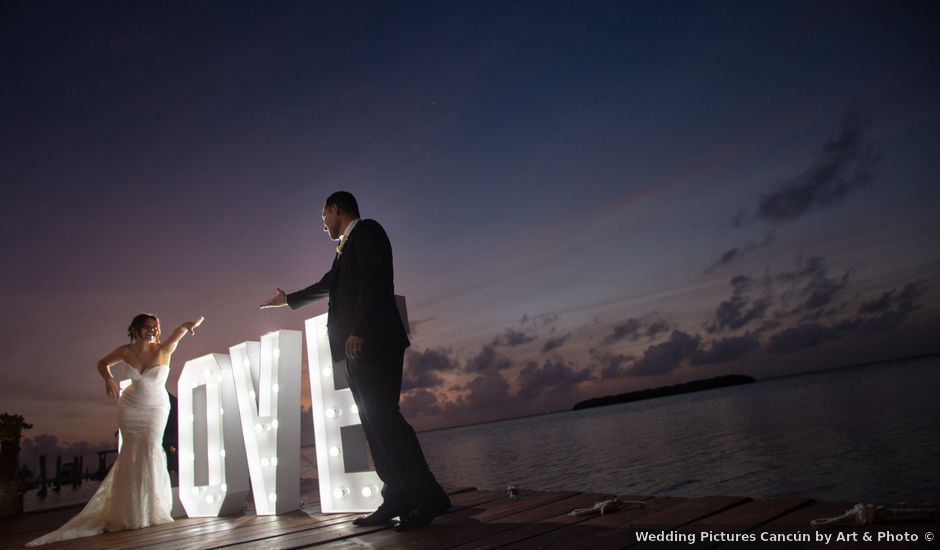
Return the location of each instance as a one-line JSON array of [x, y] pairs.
[[360, 286]]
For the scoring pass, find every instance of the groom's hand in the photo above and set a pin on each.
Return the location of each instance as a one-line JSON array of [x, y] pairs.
[[354, 345], [280, 299]]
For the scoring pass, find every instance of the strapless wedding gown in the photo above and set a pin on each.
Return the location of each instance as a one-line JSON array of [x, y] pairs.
[[136, 492]]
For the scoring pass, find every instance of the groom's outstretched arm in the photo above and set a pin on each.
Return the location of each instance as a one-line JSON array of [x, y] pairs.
[[319, 289]]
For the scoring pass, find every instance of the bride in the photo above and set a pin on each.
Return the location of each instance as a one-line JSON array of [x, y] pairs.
[[136, 492]]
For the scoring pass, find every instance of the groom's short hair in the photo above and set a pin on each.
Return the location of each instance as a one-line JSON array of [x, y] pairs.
[[345, 201]]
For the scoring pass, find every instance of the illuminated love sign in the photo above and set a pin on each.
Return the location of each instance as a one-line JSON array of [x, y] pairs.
[[267, 382], [348, 482], [212, 466], [239, 422]]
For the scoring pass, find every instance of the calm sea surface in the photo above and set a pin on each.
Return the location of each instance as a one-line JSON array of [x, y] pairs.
[[857, 434], [866, 433]]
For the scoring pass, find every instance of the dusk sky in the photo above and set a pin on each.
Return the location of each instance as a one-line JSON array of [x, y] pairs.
[[583, 198]]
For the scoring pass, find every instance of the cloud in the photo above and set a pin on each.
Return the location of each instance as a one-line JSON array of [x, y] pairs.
[[612, 365], [421, 402], [512, 338], [490, 390], [821, 291], [845, 163], [552, 377], [813, 286], [878, 305], [488, 360], [735, 253], [726, 349], [633, 329], [535, 322], [879, 315], [424, 367], [807, 335], [667, 356], [739, 310], [524, 331], [656, 328], [627, 329], [554, 343], [891, 309], [413, 324]]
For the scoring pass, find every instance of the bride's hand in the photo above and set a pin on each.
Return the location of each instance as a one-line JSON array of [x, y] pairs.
[[280, 299], [112, 388], [191, 326]]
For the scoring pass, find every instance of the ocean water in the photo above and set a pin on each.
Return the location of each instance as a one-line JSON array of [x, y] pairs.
[[861, 434]]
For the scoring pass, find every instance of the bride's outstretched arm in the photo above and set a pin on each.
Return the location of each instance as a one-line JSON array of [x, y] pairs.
[[104, 369], [189, 327]]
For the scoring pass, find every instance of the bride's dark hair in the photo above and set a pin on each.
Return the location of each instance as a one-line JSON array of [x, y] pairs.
[[138, 323]]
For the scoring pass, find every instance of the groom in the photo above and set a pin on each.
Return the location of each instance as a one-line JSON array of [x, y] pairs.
[[366, 330]]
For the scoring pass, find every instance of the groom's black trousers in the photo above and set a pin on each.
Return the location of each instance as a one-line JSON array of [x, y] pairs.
[[375, 382]]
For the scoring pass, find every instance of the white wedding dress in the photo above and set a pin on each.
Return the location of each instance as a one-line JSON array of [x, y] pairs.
[[136, 492]]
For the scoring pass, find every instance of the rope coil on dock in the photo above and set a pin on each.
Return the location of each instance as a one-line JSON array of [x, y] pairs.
[[606, 507], [867, 514]]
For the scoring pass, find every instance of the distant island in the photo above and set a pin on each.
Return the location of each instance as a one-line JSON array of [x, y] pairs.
[[653, 393]]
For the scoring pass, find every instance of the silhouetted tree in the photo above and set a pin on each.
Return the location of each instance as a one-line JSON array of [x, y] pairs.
[[11, 428]]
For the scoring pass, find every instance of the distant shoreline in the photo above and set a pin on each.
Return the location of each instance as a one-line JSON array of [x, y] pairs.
[[801, 373], [665, 391]]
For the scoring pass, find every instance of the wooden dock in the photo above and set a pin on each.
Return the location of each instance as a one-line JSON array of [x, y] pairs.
[[490, 519]]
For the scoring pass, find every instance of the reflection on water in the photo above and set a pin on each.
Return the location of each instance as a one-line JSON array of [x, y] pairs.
[[65, 497], [860, 434]]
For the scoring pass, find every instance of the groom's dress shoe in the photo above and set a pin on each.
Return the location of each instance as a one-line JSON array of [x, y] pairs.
[[422, 515], [382, 516]]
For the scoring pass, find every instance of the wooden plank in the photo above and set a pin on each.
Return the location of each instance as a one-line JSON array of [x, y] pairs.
[[734, 521], [608, 531], [668, 518], [691, 510], [339, 532], [167, 534], [802, 516], [798, 521], [526, 525], [104, 540], [454, 529], [159, 534], [672, 519], [185, 534], [502, 516], [754, 513], [281, 526], [478, 519], [45, 522], [252, 530], [617, 530]]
